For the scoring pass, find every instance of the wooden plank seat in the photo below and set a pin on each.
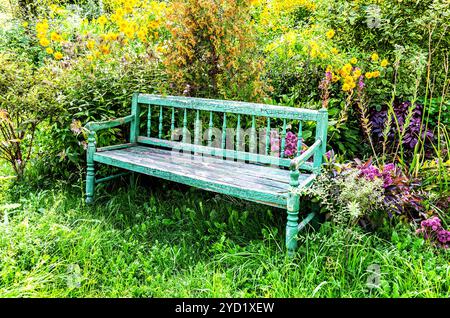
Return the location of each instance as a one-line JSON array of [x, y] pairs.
[[240, 163]]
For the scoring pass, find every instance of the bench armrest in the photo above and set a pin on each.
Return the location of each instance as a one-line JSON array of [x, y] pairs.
[[96, 126], [298, 161]]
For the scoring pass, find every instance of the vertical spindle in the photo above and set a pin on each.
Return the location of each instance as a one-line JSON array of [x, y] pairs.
[[160, 128], [283, 138], [197, 128], [149, 121], [268, 137], [253, 147], [210, 132], [238, 133], [185, 126], [224, 130], [299, 141], [172, 124]]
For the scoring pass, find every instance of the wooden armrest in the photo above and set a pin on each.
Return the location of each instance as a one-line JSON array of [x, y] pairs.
[[96, 126], [298, 161]]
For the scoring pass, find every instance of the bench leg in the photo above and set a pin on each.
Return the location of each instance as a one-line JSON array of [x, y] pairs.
[[90, 183], [90, 174], [293, 207]]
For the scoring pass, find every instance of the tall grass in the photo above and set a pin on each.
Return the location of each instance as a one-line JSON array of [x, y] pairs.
[[164, 240]]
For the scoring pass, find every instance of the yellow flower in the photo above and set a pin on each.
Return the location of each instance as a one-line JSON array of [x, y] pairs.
[[357, 73], [58, 55], [374, 57], [142, 35], [348, 79], [369, 75], [111, 36], [102, 20], [90, 44], [335, 78], [354, 61], [44, 42], [49, 50], [90, 57], [129, 32], [376, 74], [55, 37], [323, 55], [329, 68], [384, 63], [334, 51], [25, 24], [347, 68], [42, 27], [330, 33], [346, 87], [105, 49]]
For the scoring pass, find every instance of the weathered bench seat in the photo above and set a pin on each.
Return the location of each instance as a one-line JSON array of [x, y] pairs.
[[263, 184], [239, 162]]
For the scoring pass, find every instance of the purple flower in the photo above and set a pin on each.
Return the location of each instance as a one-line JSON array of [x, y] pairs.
[[371, 172], [361, 82], [432, 230]]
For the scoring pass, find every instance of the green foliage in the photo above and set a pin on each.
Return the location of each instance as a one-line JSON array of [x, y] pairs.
[[212, 51], [27, 98], [95, 92], [18, 41]]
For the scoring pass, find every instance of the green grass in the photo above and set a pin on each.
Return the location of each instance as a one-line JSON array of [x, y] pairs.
[[165, 240]]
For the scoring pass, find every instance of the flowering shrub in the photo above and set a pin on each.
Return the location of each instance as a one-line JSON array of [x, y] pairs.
[[348, 198], [399, 195], [129, 29], [212, 50], [432, 230], [396, 194]]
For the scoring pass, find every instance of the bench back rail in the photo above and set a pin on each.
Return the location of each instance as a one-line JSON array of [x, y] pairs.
[[179, 123]]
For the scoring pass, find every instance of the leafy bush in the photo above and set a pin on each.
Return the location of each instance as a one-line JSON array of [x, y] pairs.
[[98, 92], [27, 98]]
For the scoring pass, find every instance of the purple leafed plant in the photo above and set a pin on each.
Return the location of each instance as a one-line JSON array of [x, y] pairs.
[[412, 132], [432, 230]]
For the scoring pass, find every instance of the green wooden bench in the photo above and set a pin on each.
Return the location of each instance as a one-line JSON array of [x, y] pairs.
[[235, 162]]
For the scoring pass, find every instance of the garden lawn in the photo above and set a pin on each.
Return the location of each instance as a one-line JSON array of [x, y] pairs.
[[166, 240]]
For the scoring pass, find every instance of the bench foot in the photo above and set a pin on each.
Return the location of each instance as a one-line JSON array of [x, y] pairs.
[[90, 185]]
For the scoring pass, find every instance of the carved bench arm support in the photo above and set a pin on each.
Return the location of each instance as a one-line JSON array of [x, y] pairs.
[[298, 161]]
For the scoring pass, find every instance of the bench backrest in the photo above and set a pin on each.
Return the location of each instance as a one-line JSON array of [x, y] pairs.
[[244, 132]]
